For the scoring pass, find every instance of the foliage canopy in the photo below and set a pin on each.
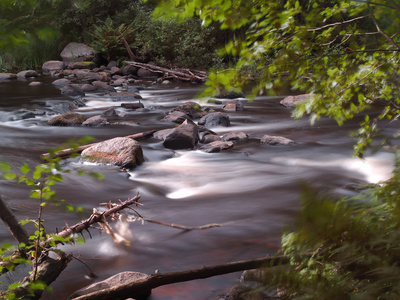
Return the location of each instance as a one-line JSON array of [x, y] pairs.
[[346, 53]]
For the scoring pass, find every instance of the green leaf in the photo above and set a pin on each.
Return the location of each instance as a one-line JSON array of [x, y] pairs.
[[5, 166], [25, 169], [10, 176]]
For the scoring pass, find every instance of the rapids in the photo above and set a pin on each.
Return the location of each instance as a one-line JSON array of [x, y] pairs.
[[253, 190]]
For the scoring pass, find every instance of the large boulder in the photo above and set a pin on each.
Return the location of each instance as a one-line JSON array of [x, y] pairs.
[[185, 136], [51, 66], [192, 109], [76, 52], [67, 119], [113, 281], [121, 151], [215, 119]]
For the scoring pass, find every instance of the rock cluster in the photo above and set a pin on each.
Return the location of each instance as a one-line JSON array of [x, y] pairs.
[[78, 73]]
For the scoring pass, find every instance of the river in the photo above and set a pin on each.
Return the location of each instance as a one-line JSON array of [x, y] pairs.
[[253, 189]]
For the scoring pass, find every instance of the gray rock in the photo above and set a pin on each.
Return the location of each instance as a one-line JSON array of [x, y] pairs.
[[111, 64], [129, 70], [115, 71], [109, 283], [61, 82], [88, 88], [103, 86], [185, 136], [76, 52], [235, 136], [292, 101], [216, 146], [209, 138], [215, 119], [72, 90], [96, 121], [176, 117], [132, 105], [120, 151], [5, 76], [275, 140], [110, 112], [119, 82], [67, 119], [192, 109], [89, 76], [52, 66], [234, 105], [27, 74], [143, 73]]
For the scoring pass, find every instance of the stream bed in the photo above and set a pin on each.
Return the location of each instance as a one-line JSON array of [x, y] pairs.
[[252, 189]]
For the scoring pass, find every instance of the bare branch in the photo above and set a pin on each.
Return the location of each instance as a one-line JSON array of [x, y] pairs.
[[381, 31], [336, 24]]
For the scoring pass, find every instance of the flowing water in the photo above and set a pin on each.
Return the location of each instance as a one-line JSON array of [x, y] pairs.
[[253, 190]]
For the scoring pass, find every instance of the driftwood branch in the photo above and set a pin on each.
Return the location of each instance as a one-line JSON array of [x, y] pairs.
[[140, 286], [67, 152], [180, 74], [97, 217]]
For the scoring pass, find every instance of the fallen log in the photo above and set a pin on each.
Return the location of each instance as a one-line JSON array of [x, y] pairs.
[[140, 286], [65, 153], [180, 74]]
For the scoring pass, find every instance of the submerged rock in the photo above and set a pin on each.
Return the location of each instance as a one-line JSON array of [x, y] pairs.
[[121, 151], [216, 146], [276, 140]]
